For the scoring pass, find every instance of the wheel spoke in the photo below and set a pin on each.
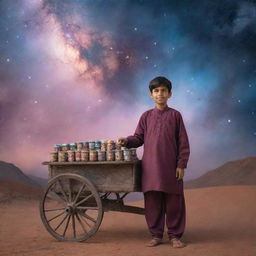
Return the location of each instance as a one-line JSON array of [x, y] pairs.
[[74, 225], [56, 216], [85, 219], [69, 190], [88, 207], [81, 223], [64, 232], [53, 195], [79, 192], [54, 209], [88, 217], [62, 190], [61, 222], [80, 202]]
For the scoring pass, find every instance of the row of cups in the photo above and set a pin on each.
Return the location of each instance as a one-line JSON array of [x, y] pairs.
[[123, 154], [103, 145]]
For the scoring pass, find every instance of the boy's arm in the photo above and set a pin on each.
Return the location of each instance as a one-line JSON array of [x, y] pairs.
[[183, 144], [137, 140]]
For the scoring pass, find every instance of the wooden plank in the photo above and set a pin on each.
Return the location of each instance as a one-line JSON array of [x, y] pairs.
[[107, 177], [93, 163]]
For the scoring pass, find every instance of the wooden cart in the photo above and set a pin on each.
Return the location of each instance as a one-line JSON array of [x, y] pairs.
[[78, 194]]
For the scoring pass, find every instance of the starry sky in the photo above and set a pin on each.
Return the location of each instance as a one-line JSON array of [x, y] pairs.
[[79, 70]]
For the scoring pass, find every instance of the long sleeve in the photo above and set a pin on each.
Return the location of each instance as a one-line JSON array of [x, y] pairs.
[[137, 140], [183, 144]]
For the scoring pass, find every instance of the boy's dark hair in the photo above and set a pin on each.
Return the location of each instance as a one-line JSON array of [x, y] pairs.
[[158, 81]]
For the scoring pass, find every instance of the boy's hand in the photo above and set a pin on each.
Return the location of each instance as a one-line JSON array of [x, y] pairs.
[[121, 141], [179, 173]]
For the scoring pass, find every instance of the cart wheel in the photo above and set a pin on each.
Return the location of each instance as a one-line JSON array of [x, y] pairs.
[[71, 208]]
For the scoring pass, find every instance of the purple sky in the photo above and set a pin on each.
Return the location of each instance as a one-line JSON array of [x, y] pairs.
[[79, 70]]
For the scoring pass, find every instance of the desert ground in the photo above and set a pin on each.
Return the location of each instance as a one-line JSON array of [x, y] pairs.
[[220, 221]]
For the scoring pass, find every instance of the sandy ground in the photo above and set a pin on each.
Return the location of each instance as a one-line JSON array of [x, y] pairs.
[[220, 221]]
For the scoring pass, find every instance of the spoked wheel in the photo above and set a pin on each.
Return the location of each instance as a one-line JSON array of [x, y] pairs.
[[71, 208]]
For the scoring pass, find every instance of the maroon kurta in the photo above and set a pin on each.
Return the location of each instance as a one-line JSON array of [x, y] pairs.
[[166, 147]]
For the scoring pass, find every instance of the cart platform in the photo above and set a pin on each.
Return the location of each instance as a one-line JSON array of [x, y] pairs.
[[114, 176]]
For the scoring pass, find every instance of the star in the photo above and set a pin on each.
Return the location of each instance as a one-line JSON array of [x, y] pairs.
[[229, 120], [250, 85], [8, 60], [146, 57], [135, 29], [154, 43], [29, 77], [239, 101], [35, 101]]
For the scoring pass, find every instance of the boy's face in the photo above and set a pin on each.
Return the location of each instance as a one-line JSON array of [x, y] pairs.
[[160, 95]]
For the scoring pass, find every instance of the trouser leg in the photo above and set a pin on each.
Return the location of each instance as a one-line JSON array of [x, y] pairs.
[[155, 212], [175, 214]]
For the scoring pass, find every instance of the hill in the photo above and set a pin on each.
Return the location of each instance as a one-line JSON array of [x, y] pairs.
[[238, 172]]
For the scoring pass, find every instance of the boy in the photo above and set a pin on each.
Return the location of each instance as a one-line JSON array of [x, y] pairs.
[[165, 156]]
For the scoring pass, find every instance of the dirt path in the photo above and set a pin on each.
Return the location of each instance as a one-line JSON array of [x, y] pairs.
[[220, 221]]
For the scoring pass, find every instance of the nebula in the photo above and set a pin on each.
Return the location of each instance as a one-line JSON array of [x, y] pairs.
[[79, 70]]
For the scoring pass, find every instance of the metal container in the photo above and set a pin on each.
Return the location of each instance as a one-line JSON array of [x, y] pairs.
[[84, 156], [119, 156], [133, 154], [62, 156], [72, 146], [71, 156], [103, 145], [118, 147], [93, 155], [78, 155], [110, 154], [57, 147], [91, 145], [54, 156], [101, 155], [79, 146], [65, 147], [97, 145], [110, 145], [86, 145], [127, 155]]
